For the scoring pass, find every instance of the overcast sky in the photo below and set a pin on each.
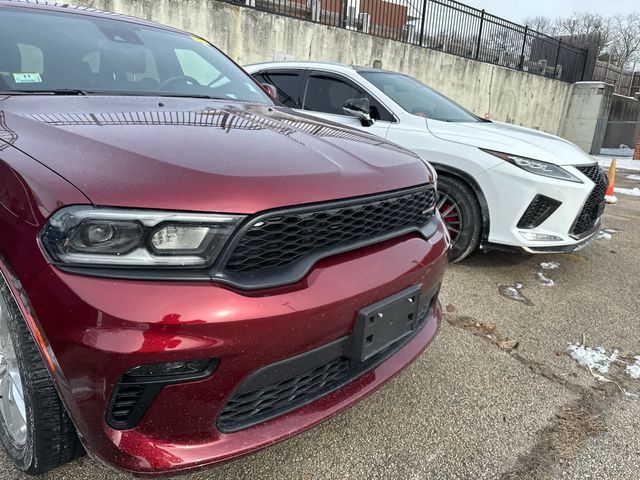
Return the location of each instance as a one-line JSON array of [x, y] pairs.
[[517, 10]]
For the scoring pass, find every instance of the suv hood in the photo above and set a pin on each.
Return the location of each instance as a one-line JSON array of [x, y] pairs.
[[201, 155], [512, 139]]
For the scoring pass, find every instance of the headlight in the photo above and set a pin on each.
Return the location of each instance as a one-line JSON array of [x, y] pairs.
[[536, 167], [92, 236]]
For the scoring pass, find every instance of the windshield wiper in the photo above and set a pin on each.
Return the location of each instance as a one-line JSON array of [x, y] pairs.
[[188, 95], [59, 91], [133, 93], [144, 93]]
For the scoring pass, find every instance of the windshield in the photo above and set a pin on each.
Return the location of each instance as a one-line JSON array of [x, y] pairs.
[[70, 53], [416, 98]]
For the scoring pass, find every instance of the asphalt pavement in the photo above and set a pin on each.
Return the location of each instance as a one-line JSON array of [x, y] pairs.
[[496, 395]]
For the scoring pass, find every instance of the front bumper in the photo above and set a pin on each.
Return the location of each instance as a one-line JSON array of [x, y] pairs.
[[580, 243], [99, 328], [510, 191]]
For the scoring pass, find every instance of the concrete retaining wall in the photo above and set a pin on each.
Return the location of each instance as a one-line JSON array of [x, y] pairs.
[[250, 36], [586, 116]]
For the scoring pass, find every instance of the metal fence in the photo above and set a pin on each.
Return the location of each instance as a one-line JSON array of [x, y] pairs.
[[444, 25], [624, 82]]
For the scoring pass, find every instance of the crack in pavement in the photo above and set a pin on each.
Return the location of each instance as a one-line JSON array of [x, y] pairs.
[[574, 422]]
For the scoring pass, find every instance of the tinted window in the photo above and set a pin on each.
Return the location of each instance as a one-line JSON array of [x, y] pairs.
[[328, 93], [415, 97], [287, 84], [47, 51]]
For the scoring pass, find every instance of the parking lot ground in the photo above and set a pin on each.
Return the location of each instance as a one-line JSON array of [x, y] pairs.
[[496, 395]]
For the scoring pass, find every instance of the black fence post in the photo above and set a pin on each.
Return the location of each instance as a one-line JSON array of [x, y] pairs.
[[584, 68], [480, 34], [524, 44], [555, 64], [343, 14], [424, 19]]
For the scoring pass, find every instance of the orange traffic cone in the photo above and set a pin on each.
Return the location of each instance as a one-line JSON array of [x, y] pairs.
[[610, 196]]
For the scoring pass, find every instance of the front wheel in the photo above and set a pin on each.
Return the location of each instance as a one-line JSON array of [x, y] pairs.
[[461, 213], [35, 429]]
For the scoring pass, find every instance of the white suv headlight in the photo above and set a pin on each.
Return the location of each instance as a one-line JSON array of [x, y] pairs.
[[536, 167]]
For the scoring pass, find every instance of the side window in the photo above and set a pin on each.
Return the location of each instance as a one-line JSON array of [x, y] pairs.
[[32, 60], [288, 85], [193, 65], [328, 93]]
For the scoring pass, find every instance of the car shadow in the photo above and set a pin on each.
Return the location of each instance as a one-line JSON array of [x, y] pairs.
[[495, 259]]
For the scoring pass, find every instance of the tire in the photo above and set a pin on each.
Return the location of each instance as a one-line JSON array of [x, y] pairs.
[[462, 215], [47, 438]]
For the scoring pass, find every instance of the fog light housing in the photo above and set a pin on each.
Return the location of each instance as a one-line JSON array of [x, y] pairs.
[[137, 389], [540, 237], [169, 369]]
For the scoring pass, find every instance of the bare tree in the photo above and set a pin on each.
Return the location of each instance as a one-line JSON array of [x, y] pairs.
[[543, 25], [503, 40], [585, 23], [625, 44], [579, 23]]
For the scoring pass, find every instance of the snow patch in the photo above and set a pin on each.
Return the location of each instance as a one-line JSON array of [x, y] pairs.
[[635, 191], [584, 245], [621, 163], [621, 151], [633, 370], [593, 358], [633, 177], [602, 235], [549, 265], [542, 280], [514, 292]]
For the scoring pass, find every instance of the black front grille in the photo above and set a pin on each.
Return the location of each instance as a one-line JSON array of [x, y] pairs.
[[540, 208], [285, 237], [591, 210], [247, 408]]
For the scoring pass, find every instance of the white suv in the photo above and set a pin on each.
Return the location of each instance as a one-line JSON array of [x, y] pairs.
[[499, 185]]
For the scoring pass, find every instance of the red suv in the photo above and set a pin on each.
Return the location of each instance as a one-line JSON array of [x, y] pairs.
[[189, 272]]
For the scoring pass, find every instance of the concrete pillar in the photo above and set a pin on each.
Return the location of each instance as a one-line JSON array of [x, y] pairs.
[[586, 114]]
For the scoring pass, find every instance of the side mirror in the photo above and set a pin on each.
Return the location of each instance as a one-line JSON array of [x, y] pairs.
[[270, 90], [359, 108]]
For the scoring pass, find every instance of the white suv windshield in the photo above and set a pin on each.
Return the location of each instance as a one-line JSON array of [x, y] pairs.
[[416, 98], [62, 53]]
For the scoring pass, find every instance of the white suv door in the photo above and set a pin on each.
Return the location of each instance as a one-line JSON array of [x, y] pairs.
[[323, 94], [326, 93]]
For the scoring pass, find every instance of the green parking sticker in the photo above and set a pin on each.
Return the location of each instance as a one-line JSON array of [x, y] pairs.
[[27, 78]]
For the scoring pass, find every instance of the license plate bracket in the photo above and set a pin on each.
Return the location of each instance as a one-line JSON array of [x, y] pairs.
[[380, 325]]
